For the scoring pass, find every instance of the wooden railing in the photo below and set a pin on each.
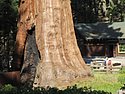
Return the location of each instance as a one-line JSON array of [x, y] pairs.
[[105, 68]]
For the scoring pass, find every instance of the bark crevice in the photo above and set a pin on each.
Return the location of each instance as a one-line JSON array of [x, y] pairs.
[[31, 58]]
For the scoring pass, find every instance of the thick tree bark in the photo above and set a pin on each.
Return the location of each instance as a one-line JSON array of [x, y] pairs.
[[46, 39]]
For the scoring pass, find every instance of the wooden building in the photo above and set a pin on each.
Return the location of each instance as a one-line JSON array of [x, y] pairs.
[[101, 39]]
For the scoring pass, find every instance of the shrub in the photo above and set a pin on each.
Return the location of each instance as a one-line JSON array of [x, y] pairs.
[[9, 89]]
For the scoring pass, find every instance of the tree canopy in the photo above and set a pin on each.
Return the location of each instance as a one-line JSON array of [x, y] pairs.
[[90, 11], [8, 27]]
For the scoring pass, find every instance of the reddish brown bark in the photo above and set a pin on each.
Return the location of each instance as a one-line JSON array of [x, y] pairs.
[[25, 23], [10, 78], [56, 55]]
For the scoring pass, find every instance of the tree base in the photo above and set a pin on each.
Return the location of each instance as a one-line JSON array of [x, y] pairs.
[[57, 76]]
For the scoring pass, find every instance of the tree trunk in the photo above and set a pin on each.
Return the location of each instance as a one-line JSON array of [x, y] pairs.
[[46, 40]]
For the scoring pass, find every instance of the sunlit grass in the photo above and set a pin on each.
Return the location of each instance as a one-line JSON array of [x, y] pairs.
[[102, 81]]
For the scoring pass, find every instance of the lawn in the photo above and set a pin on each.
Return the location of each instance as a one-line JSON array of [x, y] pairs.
[[100, 83], [110, 82]]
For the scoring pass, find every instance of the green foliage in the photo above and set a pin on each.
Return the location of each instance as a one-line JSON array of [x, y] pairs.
[[85, 10], [8, 15], [117, 11], [8, 28], [8, 89], [89, 11], [123, 87]]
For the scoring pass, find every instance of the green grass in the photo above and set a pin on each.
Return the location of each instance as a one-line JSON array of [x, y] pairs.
[[103, 81]]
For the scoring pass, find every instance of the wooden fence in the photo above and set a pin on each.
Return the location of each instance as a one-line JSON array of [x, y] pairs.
[[100, 67]]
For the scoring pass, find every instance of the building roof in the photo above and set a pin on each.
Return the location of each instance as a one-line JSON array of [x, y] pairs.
[[101, 30]]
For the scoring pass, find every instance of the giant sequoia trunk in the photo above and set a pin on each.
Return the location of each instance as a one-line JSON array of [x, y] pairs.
[[46, 44]]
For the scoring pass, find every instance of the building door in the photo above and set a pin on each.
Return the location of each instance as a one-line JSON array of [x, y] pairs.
[[110, 51]]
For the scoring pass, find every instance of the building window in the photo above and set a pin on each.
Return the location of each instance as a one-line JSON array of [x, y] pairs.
[[121, 48]]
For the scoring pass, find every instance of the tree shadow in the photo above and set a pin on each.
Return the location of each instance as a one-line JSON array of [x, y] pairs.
[[100, 30]]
